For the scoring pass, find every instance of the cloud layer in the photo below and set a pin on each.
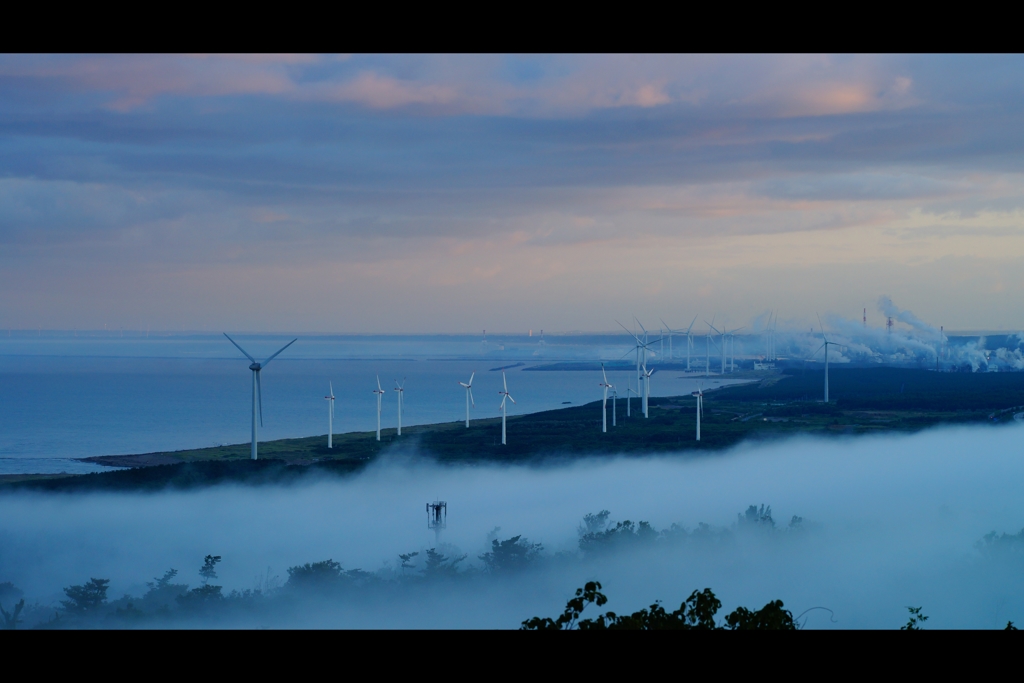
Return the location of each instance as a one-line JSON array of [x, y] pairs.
[[282, 173]]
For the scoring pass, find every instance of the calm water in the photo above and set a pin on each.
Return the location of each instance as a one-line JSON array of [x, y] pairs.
[[56, 408]]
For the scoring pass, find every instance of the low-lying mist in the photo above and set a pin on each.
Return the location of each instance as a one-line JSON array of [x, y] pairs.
[[888, 522]]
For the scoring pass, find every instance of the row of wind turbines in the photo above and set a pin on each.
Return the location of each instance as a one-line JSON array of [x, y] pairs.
[[642, 346]]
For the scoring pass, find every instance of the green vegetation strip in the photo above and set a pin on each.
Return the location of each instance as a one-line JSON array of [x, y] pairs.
[[866, 401]]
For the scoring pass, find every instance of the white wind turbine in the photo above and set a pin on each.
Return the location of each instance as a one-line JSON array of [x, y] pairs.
[[700, 407], [721, 345], [257, 391], [380, 395], [330, 416], [604, 402], [469, 396], [647, 388], [670, 331], [504, 395], [825, 346], [400, 388], [629, 394], [689, 342], [641, 351], [732, 349]]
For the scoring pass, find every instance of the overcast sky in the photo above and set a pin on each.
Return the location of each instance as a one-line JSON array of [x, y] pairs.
[[431, 194]]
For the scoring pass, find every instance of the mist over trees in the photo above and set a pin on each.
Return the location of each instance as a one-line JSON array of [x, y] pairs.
[[326, 584]]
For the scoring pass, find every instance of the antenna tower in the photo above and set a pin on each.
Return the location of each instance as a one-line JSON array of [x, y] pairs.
[[437, 518]]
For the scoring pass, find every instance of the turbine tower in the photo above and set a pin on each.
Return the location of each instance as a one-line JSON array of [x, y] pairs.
[[380, 395], [670, 333], [689, 342], [700, 407], [721, 345], [629, 394], [330, 417], [615, 397], [504, 395], [257, 392], [604, 402], [400, 388], [647, 388], [825, 346], [469, 396], [732, 349]]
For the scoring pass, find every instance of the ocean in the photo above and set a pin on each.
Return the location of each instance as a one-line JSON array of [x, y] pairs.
[[64, 397]]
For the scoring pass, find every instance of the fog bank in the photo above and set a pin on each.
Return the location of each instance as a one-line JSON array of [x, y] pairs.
[[889, 522]]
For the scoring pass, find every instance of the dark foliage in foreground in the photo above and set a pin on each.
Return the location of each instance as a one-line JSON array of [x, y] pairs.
[[696, 613]]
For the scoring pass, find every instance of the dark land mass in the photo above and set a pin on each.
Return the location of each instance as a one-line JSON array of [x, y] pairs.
[[864, 401]]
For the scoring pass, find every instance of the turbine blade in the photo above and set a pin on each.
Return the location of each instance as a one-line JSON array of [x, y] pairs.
[[240, 348], [378, 384], [631, 334], [604, 374], [821, 327], [471, 401], [691, 324], [331, 385], [471, 378], [504, 382], [279, 351], [510, 398]]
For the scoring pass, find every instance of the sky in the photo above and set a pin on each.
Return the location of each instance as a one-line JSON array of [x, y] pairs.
[[401, 194]]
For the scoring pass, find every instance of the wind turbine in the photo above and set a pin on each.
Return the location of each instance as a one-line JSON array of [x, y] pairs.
[[721, 346], [380, 395], [689, 342], [330, 417], [615, 397], [700, 407], [504, 395], [732, 349], [257, 392], [825, 346], [469, 396], [604, 401], [671, 354], [400, 388], [641, 347], [646, 388], [629, 394]]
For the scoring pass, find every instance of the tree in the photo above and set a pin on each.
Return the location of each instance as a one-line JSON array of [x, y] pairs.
[[315, 575], [593, 522], [209, 569], [771, 617], [513, 554], [589, 594], [11, 620], [696, 613], [438, 565], [406, 564], [915, 621], [86, 598]]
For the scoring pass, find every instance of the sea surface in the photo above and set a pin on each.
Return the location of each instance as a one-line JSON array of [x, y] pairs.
[[65, 397]]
